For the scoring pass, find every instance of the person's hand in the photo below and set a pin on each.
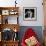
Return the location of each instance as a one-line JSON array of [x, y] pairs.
[[28, 42], [31, 41]]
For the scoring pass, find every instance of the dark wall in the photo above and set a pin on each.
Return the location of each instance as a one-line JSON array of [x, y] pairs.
[[37, 29]]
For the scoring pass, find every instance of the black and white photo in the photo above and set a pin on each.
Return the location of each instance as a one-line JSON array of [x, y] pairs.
[[30, 13]]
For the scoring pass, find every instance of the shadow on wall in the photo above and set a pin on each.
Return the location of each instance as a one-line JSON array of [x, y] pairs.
[[37, 29]]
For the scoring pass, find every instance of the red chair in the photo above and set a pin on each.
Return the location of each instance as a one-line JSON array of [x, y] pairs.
[[29, 33]]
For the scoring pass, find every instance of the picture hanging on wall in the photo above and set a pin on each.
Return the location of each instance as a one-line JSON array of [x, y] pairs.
[[30, 13]]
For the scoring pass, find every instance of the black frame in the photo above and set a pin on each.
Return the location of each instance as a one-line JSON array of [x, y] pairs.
[[33, 11]]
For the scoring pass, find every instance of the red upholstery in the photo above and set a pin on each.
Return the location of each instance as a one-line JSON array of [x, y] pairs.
[[29, 33]]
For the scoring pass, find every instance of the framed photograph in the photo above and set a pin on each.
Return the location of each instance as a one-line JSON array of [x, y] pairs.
[[13, 12], [5, 12], [30, 13]]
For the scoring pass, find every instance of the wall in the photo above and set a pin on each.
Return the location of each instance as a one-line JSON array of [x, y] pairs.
[[38, 5], [26, 3]]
